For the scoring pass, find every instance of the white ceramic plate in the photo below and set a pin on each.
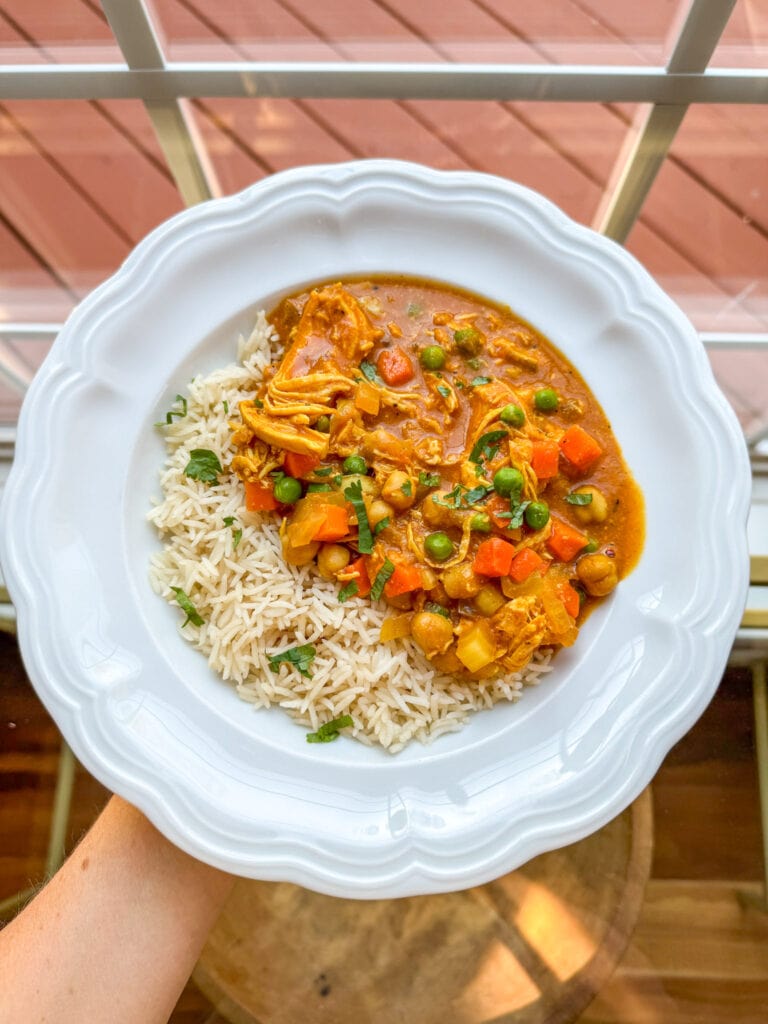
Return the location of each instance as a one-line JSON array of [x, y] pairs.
[[241, 789]]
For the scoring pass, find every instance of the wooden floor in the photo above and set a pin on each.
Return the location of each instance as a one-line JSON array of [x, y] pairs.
[[698, 955]]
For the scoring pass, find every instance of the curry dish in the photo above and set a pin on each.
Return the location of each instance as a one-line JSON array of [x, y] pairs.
[[426, 447]]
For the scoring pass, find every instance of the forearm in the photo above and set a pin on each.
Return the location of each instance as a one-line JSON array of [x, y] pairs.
[[115, 934]]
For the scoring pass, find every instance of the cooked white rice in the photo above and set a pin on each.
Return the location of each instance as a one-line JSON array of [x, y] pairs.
[[255, 605]]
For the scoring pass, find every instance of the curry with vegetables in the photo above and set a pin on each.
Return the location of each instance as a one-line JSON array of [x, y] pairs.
[[426, 447]]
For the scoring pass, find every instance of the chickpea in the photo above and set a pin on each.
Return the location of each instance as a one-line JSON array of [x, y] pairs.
[[598, 574], [379, 510], [432, 632], [332, 558], [596, 511], [460, 581], [399, 490]]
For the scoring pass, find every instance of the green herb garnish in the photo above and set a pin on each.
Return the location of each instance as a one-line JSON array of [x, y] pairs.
[[186, 606], [414, 309], [203, 465], [370, 373], [444, 391], [330, 731], [354, 495], [407, 488], [324, 471], [479, 381], [237, 536], [579, 499], [475, 494], [349, 591], [228, 520], [382, 576], [258, 403], [300, 657], [381, 525], [487, 445], [429, 479], [515, 514], [437, 609], [174, 412], [473, 363], [318, 488]]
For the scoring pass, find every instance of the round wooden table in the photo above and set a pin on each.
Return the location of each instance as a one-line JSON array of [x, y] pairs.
[[533, 947]]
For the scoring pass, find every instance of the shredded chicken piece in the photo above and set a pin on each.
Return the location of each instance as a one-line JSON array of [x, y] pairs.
[[461, 554], [503, 348]]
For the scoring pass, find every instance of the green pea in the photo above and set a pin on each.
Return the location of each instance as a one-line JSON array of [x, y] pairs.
[[537, 515], [355, 464], [591, 547], [513, 415], [287, 490], [546, 400], [432, 357], [481, 522], [507, 481], [438, 546], [324, 425]]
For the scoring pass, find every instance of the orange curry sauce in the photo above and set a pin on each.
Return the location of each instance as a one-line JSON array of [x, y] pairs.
[[497, 507]]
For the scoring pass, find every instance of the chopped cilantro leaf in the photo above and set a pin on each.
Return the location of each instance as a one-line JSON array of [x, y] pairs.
[[579, 499], [384, 573], [330, 731], [228, 520], [444, 391], [475, 494], [478, 382], [258, 403], [381, 525], [354, 495], [174, 412], [203, 465], [300, 657], [487, 445], [370, 372], [186, 606], [437, 609], [225, 403], [349, 591], [407, 488], [429, 479], [318, 488], [324, 471], [515, 514], [237, 536], [414, 309]]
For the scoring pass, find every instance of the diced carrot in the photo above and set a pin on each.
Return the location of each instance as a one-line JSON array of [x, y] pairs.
[[367, 398], [259, 497], [494, 557], [565, 542], [580, 448], [403, 580], [394, 366], [299, 466], [545, 459], [335, 524], [524, 564], [495, 505], [357, 571], [569, 597]]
